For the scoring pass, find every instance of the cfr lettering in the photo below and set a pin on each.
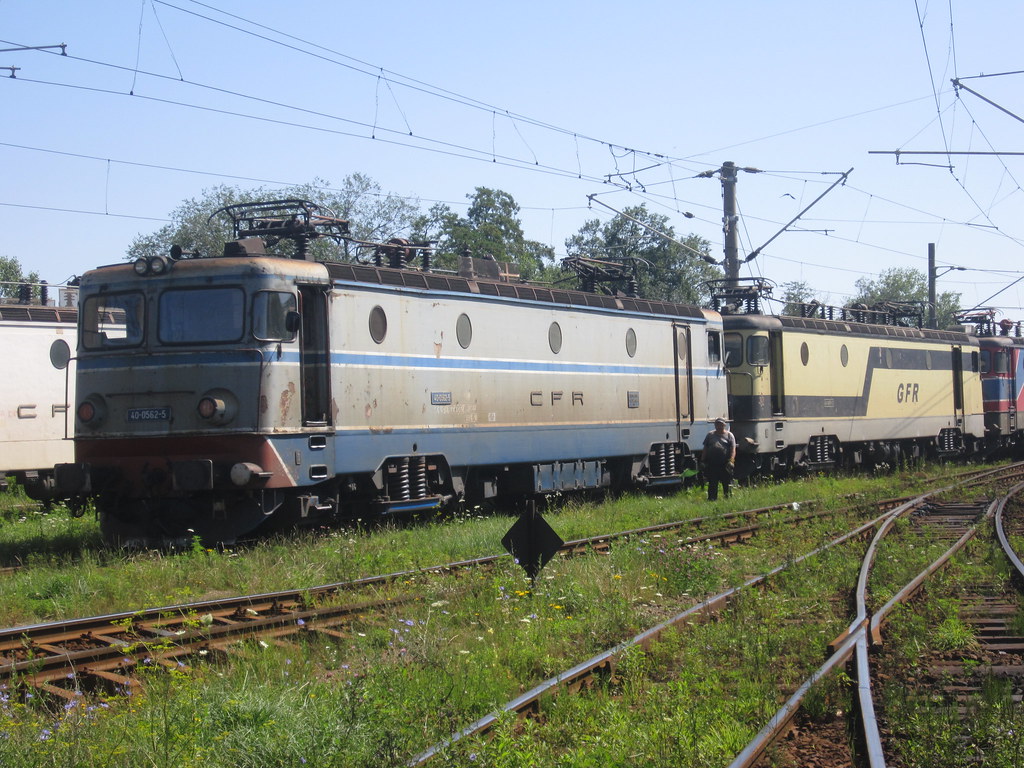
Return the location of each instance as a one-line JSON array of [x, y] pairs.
[[537, 398]]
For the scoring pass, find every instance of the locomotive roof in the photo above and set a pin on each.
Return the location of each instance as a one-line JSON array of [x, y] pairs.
[[1001, 341], [817, 325], [405, 278], [362, 273], [37, 314]]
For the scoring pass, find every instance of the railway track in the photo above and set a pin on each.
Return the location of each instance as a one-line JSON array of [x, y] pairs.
[[951, 520], [104, 653], [952, 679], [64, 658]]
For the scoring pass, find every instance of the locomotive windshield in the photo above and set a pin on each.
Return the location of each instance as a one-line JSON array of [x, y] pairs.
[[270, 315], [113, 320], [201, 315]]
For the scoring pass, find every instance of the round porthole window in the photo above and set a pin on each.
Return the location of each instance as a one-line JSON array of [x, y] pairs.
[[555, 338], [378, 324], [464, 331], [844, 355], [805, 353], [631, 342]]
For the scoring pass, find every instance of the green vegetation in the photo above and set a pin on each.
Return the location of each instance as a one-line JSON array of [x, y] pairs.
[[407, 679], [931, 729]]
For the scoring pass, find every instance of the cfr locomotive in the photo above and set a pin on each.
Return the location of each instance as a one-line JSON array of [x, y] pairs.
[[33, 396], [839, 387], [224, 395]]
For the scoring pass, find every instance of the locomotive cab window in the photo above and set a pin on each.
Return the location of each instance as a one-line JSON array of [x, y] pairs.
[[270, 315], [714, 347], [986, 361], [1002, 362], [757, 350], [733, 350], [201, 315], [113, 320]]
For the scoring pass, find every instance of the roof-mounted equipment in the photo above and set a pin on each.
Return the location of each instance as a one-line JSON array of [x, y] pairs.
[[258, 226]]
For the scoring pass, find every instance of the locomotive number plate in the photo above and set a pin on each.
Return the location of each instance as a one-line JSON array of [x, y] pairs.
[[149, 414]]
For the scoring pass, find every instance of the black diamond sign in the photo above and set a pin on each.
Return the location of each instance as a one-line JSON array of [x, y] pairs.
[[532, 542]]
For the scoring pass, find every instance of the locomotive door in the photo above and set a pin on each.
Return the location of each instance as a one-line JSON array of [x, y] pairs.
[[315, 361], [776, 378], [683, 376], [1010, 358], [958, 382]]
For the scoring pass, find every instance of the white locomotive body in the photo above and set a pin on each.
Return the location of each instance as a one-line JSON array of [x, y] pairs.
[[221, 395], [34, 427]]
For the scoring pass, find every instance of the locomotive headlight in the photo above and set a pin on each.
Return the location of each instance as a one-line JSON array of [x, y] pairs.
[[92, 411], [218, 406], [210, 406], [141, 266], [157, 265]]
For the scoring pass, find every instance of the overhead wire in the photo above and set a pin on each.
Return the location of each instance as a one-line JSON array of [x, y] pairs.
[[515, 162]]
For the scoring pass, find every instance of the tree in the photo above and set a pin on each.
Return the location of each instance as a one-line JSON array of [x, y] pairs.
[[794, 294], [668, 271], [12, 278], [373, 216], [491, 228], [903, 285]]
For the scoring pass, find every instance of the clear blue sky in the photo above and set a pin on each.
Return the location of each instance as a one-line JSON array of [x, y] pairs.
[[545, 100]]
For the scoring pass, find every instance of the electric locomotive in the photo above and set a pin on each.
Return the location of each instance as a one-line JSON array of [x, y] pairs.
[[841, 387], [223, 395], [1002, 375], [34, 433]]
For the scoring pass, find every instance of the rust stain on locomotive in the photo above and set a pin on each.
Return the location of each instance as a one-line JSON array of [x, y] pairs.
[[286, 400]]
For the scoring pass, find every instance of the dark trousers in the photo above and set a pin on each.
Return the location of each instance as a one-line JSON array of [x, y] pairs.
[[715, 474]]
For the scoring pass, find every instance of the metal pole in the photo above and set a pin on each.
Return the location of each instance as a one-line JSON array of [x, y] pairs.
[[932, 322], [729, 223]]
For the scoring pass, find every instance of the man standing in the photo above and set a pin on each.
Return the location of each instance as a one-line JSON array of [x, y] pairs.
[[719, 457]]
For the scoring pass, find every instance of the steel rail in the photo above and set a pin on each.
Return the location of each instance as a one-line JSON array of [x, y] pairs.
[[606, 659], [110, 642], [856, 639], [17, 634], [844, 646], [1004, 540]]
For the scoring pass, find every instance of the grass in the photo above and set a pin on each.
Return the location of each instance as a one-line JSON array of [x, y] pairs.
[[411, 677], [930, 730]]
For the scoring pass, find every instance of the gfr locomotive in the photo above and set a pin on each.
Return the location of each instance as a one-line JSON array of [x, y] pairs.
[[841, 387]]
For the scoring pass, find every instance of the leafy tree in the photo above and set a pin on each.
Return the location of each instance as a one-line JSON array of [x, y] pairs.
[[12, 277], [794, 294], [668, 271], [908, 286], [373, 216], [491, 228]]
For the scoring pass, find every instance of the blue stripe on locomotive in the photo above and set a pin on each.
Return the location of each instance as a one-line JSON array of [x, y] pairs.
[[350, 359]]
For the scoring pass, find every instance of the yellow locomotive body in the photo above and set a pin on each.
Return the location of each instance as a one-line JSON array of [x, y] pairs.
[[816, 393]]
